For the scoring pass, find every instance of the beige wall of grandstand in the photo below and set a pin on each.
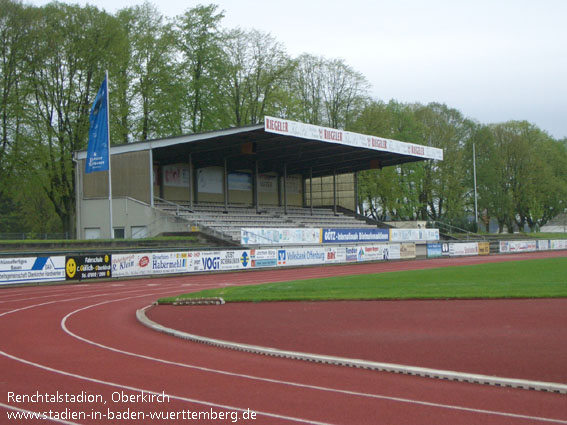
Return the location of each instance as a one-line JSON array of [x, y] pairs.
[[130, 177], [323, 191]]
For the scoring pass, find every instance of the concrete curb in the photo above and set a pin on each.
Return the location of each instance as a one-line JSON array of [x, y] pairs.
[[362, 364]]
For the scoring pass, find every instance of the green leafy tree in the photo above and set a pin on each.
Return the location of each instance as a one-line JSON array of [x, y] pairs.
[[150, 98], [71, 48], [256, 64], [199, 40]]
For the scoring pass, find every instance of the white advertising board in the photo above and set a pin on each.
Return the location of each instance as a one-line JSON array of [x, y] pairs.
[[543, 245], [169, 262], [279, 236], [518, 246], [466, 248], [124, 265], [334, 255], [263, 257], [32, 269], [558, 244], [331, 135], [176, 175], [210, 180], [235, 260], [301, 256], [414, 235]]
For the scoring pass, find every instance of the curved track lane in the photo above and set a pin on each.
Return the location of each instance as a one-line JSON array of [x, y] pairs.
[[85, 340]]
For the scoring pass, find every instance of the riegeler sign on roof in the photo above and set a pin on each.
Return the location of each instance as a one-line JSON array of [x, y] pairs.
[[348, 138]]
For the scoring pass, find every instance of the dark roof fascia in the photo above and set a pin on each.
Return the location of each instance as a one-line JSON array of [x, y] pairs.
[[170, 141]]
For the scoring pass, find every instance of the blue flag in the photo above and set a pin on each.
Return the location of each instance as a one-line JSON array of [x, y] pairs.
[[97, 152]]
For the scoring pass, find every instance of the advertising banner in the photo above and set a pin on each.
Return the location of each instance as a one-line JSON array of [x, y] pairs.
[[207, 261], [354, 235], [483, 248], [351, 253], [169, 262], [210, 180], [395, 251], [281, 236], [267, 183], [558, 244], [235, 260], [434, 250], [543, 245], [86, 267], [301, 256], [517, 246], [342, 137], [465, 248], [263, 257], [32, 269], [176, 175], [414, 235], [382, 252], [335, 255], [407, 250], [124, 265], [240, 181]]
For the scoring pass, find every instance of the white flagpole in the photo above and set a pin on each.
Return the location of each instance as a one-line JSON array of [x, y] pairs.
[[109, 163]]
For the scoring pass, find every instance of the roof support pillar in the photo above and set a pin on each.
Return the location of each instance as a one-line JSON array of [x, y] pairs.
[[225, 185], [355, 177], [191, 181], [311, 189], [256, 189], [151, 182], [335, 191], [285, 187]]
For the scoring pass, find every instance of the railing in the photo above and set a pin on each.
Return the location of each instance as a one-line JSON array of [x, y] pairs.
[[177, 206], [258, 236], [449, 229], [203, 229]]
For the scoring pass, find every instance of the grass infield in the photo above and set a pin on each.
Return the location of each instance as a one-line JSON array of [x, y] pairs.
[[543, 278]]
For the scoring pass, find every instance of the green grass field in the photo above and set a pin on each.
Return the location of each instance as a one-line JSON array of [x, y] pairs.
[[545, 278]]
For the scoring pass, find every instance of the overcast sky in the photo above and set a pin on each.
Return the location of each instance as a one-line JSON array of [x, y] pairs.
[[494, 60]]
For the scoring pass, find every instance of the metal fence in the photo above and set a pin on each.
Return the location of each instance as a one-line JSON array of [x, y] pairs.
[[34, 236]]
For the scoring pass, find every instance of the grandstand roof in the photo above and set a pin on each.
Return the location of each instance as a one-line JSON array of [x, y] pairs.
[[277, 141]]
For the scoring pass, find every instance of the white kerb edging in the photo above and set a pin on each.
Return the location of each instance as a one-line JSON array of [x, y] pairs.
[[362, 364]]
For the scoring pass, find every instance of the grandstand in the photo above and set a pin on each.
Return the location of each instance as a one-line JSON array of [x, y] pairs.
[[261, 176], [229, 222]]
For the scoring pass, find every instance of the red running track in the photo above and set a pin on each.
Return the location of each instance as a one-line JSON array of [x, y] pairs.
[[85, 340], [523, 339]]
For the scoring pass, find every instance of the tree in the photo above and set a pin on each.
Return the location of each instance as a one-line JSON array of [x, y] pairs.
[[256, 64], [199, 41], [71, 48], [151, 95], [14, 44]]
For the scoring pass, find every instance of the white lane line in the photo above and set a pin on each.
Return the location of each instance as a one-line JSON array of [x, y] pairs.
[[30, 414], [294, 384], [146, 391]]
